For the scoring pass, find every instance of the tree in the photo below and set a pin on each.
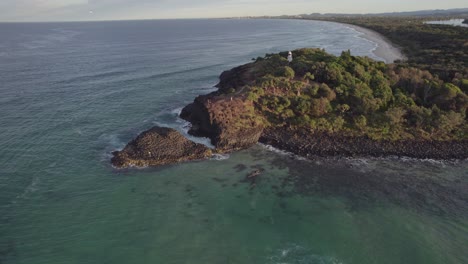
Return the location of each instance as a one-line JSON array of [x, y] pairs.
[[302, 106], [308, 76], [288, 72], [381, 87], [448, 96], [449, 121], [343, 108], [395, 116], [360, 122], [319, 107], [325, 91], [338, 123]]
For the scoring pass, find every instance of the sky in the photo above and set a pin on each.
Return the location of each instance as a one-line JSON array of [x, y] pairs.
[[79, 10]]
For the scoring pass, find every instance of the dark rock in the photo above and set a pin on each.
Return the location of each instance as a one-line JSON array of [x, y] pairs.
[[254, 173], [159, 146], [240, 167], [307, 144], [236, 78], [227, 120]]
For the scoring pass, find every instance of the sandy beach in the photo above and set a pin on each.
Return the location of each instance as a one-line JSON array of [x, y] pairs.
[[385, 48]]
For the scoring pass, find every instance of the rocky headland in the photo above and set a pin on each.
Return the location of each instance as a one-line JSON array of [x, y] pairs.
[[318, 105], [308, 110]]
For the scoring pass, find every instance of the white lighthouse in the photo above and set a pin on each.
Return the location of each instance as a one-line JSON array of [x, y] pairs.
[[290, 56]]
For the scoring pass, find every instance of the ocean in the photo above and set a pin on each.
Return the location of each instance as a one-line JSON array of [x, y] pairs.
[[71, 93]]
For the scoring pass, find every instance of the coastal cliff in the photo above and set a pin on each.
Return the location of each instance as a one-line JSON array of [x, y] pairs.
[[226, 116], [230, 124]]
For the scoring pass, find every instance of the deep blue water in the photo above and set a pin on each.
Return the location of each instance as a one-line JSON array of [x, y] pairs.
[[70, 93]]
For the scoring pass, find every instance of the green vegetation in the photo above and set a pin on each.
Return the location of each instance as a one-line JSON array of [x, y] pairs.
[[423, 97], [440, 49], [357, 96]]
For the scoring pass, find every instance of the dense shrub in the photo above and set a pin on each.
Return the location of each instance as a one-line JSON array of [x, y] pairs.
[[348, 93]]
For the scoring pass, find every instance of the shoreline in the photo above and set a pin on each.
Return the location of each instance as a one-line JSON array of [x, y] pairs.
[[385, 49], [310, 145]]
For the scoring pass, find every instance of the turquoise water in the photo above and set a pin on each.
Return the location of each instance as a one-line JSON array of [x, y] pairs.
[[71, 93]]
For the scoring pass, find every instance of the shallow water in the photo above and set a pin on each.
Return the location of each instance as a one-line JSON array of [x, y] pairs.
[[71, 93], [451, 22]]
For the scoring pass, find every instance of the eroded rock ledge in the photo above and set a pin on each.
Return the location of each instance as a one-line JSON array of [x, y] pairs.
[[159, 146]]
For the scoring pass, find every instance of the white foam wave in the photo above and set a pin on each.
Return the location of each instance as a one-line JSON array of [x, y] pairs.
[[112, 142], [282, 152], [131, 166], [361, 36], [208, 89], [220, 157], [273, 149], [365, 164], [58, 36], [183, 127], [361, 164], [177, 111], [294, 253], [31, 188]]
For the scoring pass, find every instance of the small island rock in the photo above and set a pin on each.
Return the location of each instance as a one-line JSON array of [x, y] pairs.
[[159, 146]]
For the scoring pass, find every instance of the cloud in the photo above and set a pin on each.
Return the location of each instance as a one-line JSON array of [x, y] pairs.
[[28, 9]]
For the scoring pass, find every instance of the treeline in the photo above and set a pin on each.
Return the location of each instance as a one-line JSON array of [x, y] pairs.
[[357, 95]]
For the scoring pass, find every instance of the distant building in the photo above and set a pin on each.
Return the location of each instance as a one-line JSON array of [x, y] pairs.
[[290, 58]]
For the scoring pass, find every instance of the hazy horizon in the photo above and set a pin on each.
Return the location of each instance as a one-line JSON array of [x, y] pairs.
[[95, 10]]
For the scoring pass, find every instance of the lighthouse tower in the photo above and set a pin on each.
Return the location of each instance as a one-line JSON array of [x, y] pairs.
[[290, 56]]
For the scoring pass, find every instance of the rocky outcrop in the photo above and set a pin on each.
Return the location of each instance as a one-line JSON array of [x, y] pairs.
[[304, 143], [224, 116], [159, 146], [228, 120]]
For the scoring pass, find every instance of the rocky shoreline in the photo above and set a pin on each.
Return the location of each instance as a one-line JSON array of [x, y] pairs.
[[161, 146], [306, 144]]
